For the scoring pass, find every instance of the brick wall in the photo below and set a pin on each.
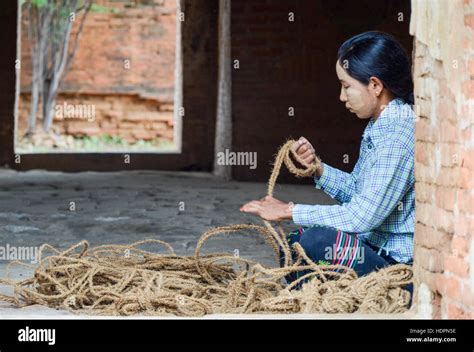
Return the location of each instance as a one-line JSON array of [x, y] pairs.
[[124, 66], [444, 169], [129, 116]]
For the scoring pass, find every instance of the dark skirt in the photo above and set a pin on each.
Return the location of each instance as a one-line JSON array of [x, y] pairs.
[[327, 246]]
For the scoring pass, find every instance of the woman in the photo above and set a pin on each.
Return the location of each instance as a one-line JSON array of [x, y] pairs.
[[373, 225]]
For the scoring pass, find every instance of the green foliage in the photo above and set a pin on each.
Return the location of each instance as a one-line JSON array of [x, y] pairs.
[[105, 143], [323, 262], [103, 9], [98, 144], [39, 3]]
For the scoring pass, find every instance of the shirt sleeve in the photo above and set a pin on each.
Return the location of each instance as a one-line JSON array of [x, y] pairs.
[[336, 183], [384, 185]]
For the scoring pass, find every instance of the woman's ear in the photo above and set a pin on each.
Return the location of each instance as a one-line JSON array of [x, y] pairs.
[[376, 86]]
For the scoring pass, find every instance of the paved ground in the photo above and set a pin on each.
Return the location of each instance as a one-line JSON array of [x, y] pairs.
[[124, 207]]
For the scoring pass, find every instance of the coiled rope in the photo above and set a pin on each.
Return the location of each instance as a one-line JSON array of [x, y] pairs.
[[126, 280]]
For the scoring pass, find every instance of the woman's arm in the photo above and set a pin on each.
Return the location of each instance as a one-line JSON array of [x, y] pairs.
[[389, 179], [336, 183]]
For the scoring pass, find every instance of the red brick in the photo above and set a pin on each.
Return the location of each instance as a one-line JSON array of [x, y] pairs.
[[455, 312], [468, 89], [445, 93], [421, 152], [448, 131], [467, 42], [445, 197], [420, 174], [443, 220], [423, 130], [466, 134], [430, 259], [424, 192], [460, 246], [456, 265], [471, 68], [143, 134], [430, 238], [450, 154], [421, 231], [467, 296], [83, 129], [469, 21], [461, 226], [466, 201], [424, 213], [448, 177], [446, 108], [466, 178], [467, 158], [426, 174], [449, 287], [159, 126]]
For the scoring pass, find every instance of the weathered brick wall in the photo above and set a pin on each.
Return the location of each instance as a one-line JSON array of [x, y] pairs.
[[131, 117], [124, 66], [444, 169]]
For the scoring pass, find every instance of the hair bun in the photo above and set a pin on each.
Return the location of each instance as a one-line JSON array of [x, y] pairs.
[[409, 98]]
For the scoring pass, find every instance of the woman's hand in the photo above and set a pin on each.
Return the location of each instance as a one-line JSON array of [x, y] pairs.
[[268, 208], [304, 149]]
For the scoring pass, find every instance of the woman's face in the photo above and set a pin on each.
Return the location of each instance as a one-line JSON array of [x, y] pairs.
[[359, 98]]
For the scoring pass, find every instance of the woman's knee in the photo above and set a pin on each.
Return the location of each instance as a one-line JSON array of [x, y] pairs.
[[315, 240]]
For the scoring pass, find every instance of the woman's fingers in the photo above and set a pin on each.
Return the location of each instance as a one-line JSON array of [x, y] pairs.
[[306, 154], [251, 207], [304, 149], [296, 147], [250, 203], [303, 140], [301, 145]]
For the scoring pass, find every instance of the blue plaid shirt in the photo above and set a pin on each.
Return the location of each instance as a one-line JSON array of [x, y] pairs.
[[378, 197]]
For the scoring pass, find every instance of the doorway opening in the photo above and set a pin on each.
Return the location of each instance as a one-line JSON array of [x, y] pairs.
[[99, 77]]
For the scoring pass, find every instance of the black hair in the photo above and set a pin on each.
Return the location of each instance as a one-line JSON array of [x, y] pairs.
[[380, 55]]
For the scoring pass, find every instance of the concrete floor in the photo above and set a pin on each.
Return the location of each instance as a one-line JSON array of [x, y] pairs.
[[124, 207]]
